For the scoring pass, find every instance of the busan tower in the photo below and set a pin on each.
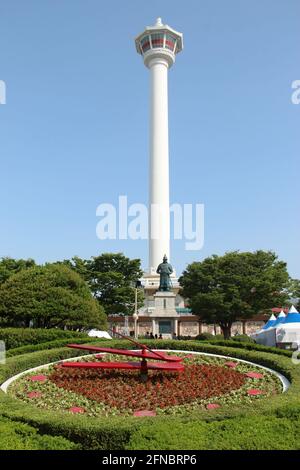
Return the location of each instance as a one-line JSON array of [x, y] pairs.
[[158, 46]]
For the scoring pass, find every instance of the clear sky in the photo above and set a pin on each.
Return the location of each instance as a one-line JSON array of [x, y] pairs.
[[74, 129]]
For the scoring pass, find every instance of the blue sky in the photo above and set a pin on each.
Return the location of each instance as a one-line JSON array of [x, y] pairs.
[[74, 130]]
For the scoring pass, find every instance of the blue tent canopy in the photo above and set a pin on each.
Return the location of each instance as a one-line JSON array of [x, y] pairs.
[[280, 319], [270, 322], [292, 317]]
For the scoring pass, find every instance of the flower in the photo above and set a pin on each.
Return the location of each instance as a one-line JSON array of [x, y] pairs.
[[77, 409], [34, 394], [231, 364], [38, 378], [254, 375], [142, 413], [212, 406], [255, 391]]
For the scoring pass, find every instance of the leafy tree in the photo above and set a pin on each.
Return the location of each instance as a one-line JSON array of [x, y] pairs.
[[222, 289], [49, 296], [294, 290], [10, 266], [111, 277]]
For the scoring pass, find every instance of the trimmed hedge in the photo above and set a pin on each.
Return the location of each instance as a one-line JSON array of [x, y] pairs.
[[19, 436], [17, 337], [241, 433], [49, 345], [250, 346], [120, 433]]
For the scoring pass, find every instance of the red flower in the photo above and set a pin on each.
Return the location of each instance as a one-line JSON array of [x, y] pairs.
[[38, 378], [142, 413], [77, 409], [254, 375], [34, 394], [212, 406], [255, 391], [231, 364]]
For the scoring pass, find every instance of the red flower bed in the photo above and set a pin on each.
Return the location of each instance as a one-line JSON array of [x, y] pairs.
[[125, 390]]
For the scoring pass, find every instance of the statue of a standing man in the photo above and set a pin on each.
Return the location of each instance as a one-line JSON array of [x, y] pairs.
[[164, 270]]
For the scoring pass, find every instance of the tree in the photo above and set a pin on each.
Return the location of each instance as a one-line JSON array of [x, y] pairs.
[[222, 289], [294, 291], [49, 296], [10, 266], [111, 277]]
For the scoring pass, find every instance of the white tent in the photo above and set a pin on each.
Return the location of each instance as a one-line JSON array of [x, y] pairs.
[[288, 331], [260, 336], [99, 334], [283, 331], [270, 336], [280, 319]]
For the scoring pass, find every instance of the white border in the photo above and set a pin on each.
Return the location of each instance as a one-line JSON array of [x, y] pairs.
[[284, 381]]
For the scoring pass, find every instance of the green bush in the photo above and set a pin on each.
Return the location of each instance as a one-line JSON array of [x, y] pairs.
[[49, 345], [241, 433], [19, 436], [204, 337], [49, 296], [230, 343], [17, 337], [243, 338]]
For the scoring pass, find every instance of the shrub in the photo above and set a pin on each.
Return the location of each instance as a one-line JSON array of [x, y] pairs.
[[48, 345], [241, 433], [243, 338], [204, 337], [19, 436], [250, 346], [17, 337], [49, 296]]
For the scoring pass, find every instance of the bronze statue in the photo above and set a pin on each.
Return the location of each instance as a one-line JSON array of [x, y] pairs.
[[164, 270]]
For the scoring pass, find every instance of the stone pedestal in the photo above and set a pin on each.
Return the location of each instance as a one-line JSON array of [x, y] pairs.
[[164, 305], [164, 315]]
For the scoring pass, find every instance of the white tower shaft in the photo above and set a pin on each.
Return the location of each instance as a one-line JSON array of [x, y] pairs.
[[158, 45], [159, 216]]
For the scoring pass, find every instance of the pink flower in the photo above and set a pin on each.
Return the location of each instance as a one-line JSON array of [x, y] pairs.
[[254, 375], [77, 409], [34, 394], [38, 378], [231, 364], [142, 413], [254, 391], [212, 406]]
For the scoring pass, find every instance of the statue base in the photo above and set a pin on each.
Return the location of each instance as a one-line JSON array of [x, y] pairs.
[[164, 305]]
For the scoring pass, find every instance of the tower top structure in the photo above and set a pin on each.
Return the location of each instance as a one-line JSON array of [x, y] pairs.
[[159, 41]]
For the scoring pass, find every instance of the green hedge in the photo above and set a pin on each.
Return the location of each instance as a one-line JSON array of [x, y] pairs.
[[17, 337], [250, 346], [121, 433], [19, 436], [241, 433], [49, 345]]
